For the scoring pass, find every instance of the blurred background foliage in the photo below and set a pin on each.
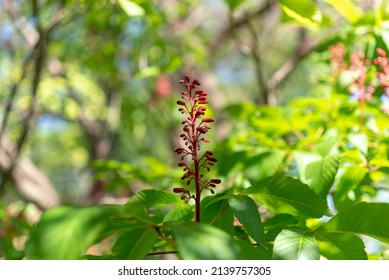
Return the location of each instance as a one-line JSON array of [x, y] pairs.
[[87, 105]]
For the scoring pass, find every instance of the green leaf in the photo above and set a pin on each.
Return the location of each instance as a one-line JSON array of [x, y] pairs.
[[281, 193], [350, 180], [371, 219], [295, 244], [303, 159], [135, 244], [153, 198], [219, 213], [347, 9], [280, 220], [198, 241], [249, 252], [233, 4], [65, 233], [131, 8], [246, 211], [320, 175], [340, 246], [305, 12], [261, 165], [326, 147], [179, 214]]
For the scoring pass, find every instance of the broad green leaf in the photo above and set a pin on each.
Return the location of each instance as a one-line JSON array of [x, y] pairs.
[[295, 244], [135, 243], [131, 8], [65, 233], [326, 147], [246, 211], [179, 214], [153, 198], [219, 214], [347, 9], [371, 219], [228, 160], [303, 159], [280, 193], [350, 180], [249, 252], [340, 246], [280, 220], [262, 165], [211, 199], [198, 241], [320, 175], [305, 12]]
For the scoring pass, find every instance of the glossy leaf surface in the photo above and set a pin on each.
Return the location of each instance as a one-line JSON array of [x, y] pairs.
[[295, 244], [279, 191]]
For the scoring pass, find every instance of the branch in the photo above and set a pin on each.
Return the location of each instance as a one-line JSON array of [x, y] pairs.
[[302, 51], [38, 54], [240, 22], [255, 53]]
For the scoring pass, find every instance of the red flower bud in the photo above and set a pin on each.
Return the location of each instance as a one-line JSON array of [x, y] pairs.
[[179, 190], [181, 164], [208, 120], [205, 140], [179, 150], [179, 102], [216, 181], [381, 52]]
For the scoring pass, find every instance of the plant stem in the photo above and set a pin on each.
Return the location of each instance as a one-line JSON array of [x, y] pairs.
[[362, 110], [198, 188]]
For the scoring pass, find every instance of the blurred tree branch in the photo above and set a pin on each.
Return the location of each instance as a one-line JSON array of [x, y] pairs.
[[37, 55], [268, 84], [304, 48], [241, 22]]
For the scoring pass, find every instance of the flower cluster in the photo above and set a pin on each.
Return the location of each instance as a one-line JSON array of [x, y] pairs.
[[360, 88], [195, 126], [338, 53], [383, 75]]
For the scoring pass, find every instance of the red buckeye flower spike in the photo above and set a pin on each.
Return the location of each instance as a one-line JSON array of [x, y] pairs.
[[194, 127]]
